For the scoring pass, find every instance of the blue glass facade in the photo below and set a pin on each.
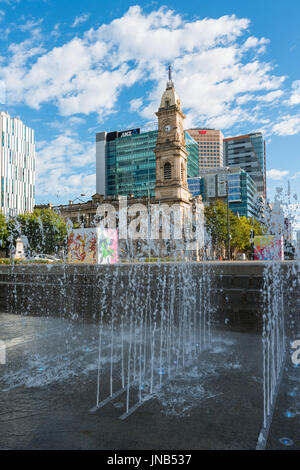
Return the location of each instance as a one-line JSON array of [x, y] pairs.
[[131, 166], [258, 144], [242, 191], [197, 186], [242, 195], [248, 152], [234, 187]]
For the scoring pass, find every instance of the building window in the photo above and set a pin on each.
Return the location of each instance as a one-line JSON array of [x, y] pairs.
[[167, 171], [182, 172]]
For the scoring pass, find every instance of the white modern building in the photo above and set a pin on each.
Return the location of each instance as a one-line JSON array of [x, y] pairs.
[[101, 138], [17, 166]]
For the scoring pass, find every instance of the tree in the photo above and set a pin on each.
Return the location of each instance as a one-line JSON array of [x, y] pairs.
[[216, 224], [45, 230], [240, 234], [258, 227], [3, 232], [240, 228]]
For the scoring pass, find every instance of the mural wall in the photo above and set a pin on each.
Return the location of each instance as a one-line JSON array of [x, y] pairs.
[[268, 248], [93, 246]]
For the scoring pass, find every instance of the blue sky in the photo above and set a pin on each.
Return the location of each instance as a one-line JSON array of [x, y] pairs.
[[71, 68]]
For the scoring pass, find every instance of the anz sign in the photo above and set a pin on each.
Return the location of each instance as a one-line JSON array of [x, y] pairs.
[[129, 132]]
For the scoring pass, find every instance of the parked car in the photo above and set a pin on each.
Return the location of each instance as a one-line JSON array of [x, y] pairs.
[[241, 257], [54, 258], [44, 257]]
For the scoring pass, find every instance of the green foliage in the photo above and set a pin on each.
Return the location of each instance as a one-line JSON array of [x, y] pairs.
[[3, 232], [45, 230], [216, 222], [240, 228], [240, 234], [23, 261]]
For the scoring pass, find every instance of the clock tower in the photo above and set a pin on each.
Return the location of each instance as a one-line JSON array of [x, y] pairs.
[[170, 151]]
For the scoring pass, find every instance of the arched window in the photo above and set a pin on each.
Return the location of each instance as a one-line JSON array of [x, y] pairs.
[[167, 171], [167, 102]]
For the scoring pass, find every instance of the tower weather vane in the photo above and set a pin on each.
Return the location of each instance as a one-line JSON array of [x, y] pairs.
[[170, 82]]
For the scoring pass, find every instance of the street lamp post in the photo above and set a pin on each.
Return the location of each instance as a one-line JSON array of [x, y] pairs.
[[148, 216], [228, 226], [149, 223], [78, 197]]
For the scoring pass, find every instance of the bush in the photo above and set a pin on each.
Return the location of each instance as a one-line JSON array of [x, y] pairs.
[[23, 261]]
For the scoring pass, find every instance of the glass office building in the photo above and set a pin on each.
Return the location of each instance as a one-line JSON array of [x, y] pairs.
[[130, 166], [249, 153], [241, 188]]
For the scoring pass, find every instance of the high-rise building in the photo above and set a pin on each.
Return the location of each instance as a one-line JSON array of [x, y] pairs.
[[249, 153], [210, 143], [17, 166], [126, 164], [211, 185]]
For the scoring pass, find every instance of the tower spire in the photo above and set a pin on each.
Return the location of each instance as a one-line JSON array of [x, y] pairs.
[[170, 83]]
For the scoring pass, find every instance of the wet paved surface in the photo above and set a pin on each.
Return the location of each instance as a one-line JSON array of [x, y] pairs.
[[48, 386], [285, 429]]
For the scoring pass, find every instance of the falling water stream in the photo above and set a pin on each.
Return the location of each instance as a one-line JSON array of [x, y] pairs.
[[143, 328], [155, 328]]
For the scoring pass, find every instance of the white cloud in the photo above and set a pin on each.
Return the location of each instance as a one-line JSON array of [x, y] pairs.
[[65, 165], [136, 104], [30, 25], [267, 98], [87, 74], [80, 20], [245, 99], [253, 42], [4, 35], [76, 120], [287, 125], [295, 94], [217, 81], [276, 174], [271, 97]]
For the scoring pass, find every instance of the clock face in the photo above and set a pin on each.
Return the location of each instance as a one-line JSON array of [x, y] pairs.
[[167, 127]]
